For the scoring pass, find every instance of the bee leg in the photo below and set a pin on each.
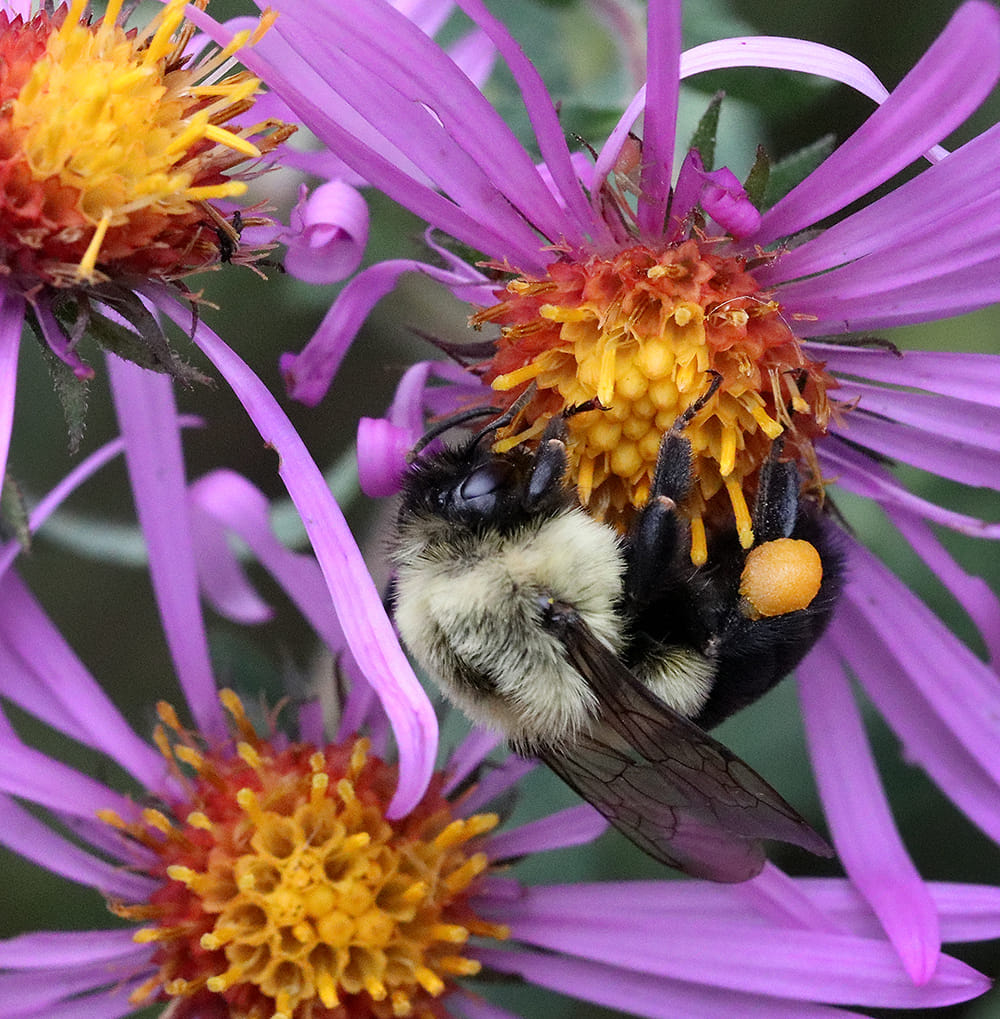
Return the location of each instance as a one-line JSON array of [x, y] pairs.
[[776, 509], [672, 475], [550, 465], [658, 532]]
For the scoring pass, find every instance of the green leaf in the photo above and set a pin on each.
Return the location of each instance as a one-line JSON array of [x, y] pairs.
[[14, 513], [71, 390], [703, 138], [148, 346], [760, 173], [787, 173], [73, 393]]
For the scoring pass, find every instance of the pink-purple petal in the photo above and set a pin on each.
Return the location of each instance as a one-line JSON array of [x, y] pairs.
[[573, 826], [781, 898], [468, 756], [242, 509], [965, 376], [783, 54], [963, 689], [330, 231], [914, 715], [475, 55], [659, 122], [859, 473], [497, 781], [971, 423], [59, 493], [308, 374], [359, 607], [940, 191], [967, 912], [32, 775], [801, 964], [857, 297], [147, 415], [382, 449], [59, 343], [35, 841], [948, 83], [11, 322], [283, 70], [382, 64], [939, 454], [66, 696], [645, 994], [544, 117], [861, 824], [972, 593], [64, 949], [223, 580]]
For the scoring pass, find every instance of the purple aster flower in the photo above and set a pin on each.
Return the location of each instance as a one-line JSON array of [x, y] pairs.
[[626, 278], [260, 870]]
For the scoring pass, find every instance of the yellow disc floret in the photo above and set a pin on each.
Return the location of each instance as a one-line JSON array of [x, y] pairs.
[[287, 894], [113, 142], [780, 576], [635, 339]]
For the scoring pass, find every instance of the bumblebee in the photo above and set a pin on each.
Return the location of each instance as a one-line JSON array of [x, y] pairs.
[[607, 657]]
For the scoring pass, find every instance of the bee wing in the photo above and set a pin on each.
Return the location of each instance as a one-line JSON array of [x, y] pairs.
[[677, 793]]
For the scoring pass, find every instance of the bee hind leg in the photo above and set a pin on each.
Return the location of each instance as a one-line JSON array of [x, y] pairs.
[[776, 508]]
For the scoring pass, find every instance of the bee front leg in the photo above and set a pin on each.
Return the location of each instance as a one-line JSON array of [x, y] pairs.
[[659, 533], [550, 465]]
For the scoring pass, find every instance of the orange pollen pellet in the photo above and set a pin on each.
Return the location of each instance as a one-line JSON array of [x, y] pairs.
[[781, 576]]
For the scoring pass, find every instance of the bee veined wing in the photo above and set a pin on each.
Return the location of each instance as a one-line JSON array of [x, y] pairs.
[[678, 794]]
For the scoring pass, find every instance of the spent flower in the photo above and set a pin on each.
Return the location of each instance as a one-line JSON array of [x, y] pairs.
[[119, 144]]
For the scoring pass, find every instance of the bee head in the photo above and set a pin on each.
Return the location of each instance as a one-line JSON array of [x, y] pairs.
[[470, 486]]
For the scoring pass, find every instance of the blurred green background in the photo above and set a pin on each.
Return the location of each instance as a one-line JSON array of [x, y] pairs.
[[106, 610]]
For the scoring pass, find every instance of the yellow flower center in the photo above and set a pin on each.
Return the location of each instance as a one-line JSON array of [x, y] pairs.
[[640, 337], [121, 142], [289, 895]]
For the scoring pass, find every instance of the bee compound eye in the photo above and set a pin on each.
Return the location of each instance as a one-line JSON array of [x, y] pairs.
[[482, 484]]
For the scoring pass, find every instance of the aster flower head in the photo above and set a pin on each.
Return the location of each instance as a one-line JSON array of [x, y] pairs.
[[636, 282], [260, 869], [119, 144]]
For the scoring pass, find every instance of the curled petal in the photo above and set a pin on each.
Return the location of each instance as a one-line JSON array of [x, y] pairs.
[[571, 827], [724, 199], [308, 375], [329, 233], [382, 449]]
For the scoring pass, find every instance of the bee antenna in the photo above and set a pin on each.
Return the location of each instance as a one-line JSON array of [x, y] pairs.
[[508, 415], [441, 427], [685, 419]]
